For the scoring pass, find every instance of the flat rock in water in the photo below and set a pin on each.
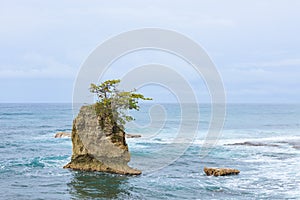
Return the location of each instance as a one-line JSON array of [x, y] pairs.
[[220, 171], [132, 135], [62, 135]]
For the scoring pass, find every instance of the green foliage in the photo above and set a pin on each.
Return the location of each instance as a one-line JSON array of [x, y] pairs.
[[112, 104]]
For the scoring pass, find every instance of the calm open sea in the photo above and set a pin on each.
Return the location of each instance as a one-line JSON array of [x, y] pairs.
[[31, 159]]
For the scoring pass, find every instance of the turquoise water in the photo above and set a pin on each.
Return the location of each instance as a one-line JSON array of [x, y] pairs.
[[32, 159]]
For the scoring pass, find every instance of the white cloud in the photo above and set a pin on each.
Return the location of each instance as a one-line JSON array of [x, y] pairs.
[[29, 17], [38, 66], [62, 33], [275, 63]]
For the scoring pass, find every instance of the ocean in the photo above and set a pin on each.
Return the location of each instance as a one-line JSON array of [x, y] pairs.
[[261, 140]]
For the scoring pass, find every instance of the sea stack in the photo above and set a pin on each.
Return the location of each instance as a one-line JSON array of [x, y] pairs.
[[99, 144]]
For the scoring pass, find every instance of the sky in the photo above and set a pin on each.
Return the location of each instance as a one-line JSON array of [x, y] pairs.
[[254, 45]]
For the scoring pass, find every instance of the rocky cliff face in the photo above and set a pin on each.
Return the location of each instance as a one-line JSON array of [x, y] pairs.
[[98, 149]]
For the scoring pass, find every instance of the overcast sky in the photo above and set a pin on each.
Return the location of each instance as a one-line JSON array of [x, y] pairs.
[[254, 44]]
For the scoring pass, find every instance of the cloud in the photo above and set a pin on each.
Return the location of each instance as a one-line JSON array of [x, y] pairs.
[[61, 35], [269, 80], [25, 18], [38, 66], [295, 62]]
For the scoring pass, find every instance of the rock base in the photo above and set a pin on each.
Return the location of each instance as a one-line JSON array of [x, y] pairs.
[[89, 163], [220, 171]]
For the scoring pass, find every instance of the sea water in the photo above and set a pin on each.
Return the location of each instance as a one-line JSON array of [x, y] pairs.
[[31, 159]]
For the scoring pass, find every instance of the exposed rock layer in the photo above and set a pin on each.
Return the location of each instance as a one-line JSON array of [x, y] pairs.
[[96, 148], [220, 171], [68, 135]]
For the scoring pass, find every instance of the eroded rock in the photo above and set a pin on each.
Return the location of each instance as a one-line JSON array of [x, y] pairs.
[[220, 171], [98, 148]]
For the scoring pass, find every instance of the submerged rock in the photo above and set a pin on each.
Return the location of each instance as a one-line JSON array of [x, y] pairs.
[[62, 135], [257, 144], [220, 171], [98, 148], [295, 144]]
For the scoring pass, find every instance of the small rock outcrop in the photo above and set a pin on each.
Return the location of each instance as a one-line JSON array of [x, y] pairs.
[[132, 135], [62, 135], [220, 171], [98, 148]]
